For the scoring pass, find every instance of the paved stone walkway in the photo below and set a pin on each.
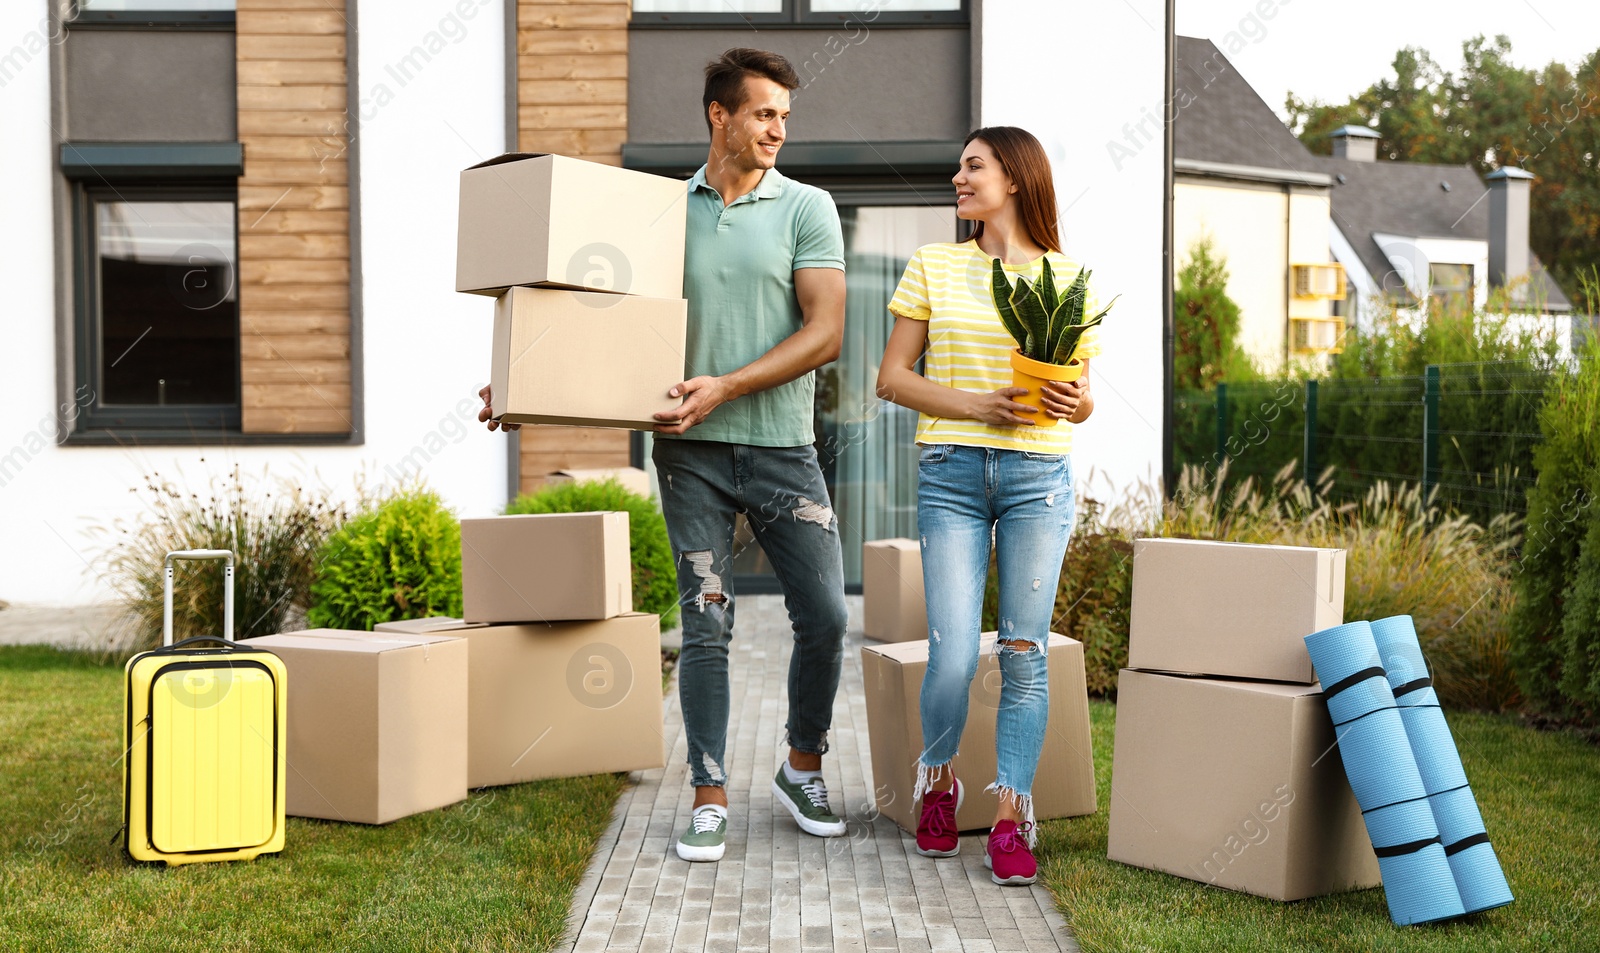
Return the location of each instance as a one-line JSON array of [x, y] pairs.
[[778, 888]]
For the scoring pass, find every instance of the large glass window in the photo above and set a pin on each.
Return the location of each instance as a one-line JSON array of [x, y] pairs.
[[793, 12], [158, 310], [883, 6], [118, 6], [866, 445]]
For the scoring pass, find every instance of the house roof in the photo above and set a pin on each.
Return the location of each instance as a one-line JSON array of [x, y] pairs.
[[1220, 116], [1221, 119], [1410, 198]]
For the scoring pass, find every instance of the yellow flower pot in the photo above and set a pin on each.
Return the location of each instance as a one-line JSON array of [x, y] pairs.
[[1032, 374]]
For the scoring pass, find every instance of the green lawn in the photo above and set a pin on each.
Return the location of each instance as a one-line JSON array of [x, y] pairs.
[[495, 872], [1540, 797]]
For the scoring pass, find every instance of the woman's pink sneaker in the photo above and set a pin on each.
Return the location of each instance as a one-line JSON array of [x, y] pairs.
[[1008, 857], [937, 835]]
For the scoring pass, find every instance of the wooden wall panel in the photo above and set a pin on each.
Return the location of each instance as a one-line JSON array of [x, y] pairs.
[[294, 217], [572, 99]]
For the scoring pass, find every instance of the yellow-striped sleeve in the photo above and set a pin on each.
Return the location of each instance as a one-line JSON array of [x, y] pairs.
[[911, 297]]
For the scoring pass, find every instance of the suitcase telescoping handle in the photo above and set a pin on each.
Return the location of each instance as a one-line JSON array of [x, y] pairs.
[[226, 555]]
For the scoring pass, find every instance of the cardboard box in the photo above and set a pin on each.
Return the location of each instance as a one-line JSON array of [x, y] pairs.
[[891, 588], [1236, 784], [563, 700], [377, 722], [530, 219], [1234, 610], [631, 478], [429, 626], [584, 359], [549, 567], [1063, 785]]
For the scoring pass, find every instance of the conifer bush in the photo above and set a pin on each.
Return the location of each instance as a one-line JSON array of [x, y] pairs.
[[400, 558]]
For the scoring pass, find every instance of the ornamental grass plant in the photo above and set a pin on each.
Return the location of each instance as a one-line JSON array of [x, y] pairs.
[[274, 535]]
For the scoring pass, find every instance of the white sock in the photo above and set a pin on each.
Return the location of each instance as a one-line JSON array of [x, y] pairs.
[[713, 807], [795, 775]]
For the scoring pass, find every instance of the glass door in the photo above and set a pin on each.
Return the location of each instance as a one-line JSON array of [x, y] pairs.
[[864, 444]]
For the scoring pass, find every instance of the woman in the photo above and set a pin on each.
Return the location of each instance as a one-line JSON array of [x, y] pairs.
[[986, 468]]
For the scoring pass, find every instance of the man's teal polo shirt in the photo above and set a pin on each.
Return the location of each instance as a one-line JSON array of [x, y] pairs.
[[738, 274]]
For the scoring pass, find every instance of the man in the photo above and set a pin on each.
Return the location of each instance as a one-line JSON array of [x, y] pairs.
[[764, 276]]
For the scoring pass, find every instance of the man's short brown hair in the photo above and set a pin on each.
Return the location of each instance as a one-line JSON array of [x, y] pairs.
[[725, 77]]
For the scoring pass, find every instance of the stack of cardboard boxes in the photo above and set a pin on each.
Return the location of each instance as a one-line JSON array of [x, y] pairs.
[[551, 673], [585, 262], [1225, 767], [896, 612], [564, 678]]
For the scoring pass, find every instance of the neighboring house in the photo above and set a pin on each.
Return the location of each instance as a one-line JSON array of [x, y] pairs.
[[1406, 234], [231, 230]]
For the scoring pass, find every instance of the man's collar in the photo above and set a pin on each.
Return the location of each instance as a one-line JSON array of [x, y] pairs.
[[770, 186]]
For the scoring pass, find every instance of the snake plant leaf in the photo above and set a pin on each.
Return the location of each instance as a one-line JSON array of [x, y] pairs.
[[1047, 287], [1068, 312], [1008, 312], [1067, 347], [1030, 308]]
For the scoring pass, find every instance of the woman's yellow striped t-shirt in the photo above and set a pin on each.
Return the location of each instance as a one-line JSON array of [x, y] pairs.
[[948, 285]]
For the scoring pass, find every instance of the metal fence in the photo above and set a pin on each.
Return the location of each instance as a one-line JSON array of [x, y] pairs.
[[1465, 430]]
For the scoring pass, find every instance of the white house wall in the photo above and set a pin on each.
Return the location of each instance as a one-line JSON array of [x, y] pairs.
[[1111, 202], [1246, 224], [425, 347]]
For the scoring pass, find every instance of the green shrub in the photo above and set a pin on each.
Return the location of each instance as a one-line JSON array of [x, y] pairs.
[[655, 577], [1559, 524], [274, 541], [1580, 625], [400, 558]]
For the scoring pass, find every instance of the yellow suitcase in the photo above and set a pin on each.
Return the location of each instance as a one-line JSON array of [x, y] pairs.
[[205, 743]]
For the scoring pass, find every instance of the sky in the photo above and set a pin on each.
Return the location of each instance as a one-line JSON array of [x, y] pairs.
[[1332, 49]]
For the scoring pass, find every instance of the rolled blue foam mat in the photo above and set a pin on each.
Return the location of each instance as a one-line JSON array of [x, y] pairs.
[[1417, 880], [1478, 875]]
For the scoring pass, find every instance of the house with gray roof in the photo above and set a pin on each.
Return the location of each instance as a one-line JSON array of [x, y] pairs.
[[1409, 235]]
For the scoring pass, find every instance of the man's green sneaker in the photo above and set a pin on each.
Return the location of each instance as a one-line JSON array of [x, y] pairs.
[[808, 802], [706, 835]]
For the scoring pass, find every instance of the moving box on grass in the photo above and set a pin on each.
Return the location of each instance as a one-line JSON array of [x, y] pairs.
[[586, 359], [1234, 610], [1236, 784], [377, 722], [631, 478], [1063, 786], [891, 588], [530, 219], [547, 567], [562, 700]]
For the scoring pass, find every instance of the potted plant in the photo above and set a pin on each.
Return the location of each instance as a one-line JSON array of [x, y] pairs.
[[1047, 326]]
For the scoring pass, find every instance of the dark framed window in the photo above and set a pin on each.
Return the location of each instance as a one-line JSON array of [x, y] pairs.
[[156, 340], [182, 14], [812, 13]]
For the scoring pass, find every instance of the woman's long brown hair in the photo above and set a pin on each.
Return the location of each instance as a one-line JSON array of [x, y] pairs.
[[1024, 159]]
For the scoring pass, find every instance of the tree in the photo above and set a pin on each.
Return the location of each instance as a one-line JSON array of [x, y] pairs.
[[1206, 323], [1492, 114]]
